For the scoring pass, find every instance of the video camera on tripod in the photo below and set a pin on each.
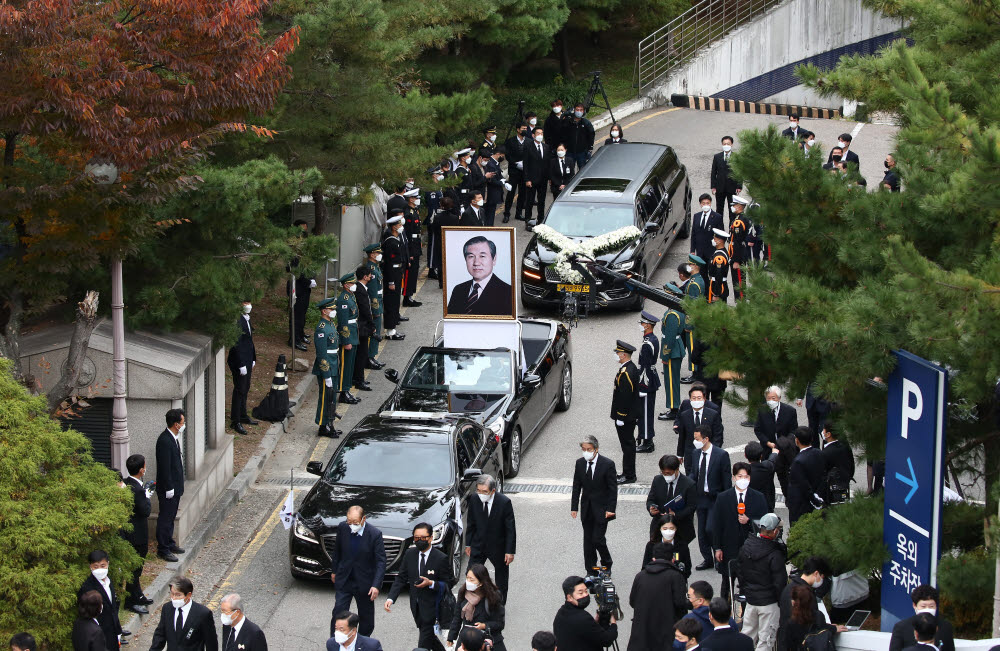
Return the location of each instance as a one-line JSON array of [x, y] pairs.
[[605, 595]]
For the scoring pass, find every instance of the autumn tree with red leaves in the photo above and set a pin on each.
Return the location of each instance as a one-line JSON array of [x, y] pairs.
[[146, 85]]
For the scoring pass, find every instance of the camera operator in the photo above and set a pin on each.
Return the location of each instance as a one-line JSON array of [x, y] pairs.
[[574, 628], [763, 577], [658, 599]]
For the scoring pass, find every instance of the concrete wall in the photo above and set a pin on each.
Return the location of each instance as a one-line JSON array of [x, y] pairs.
[[756, 61]]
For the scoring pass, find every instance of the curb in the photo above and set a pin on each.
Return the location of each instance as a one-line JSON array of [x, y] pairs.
[[740, 106], [230, 497], [623, 110]]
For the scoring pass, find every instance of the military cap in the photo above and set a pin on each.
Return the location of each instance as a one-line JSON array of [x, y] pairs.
[[721, 233], [624, 347], [373, 247], [696, 259], [490, 130], [415, 192], [463, 152], [327, 302], [673, 289], [348, 278], [740, 200], [646, 317], [397, 219], [396, 211]]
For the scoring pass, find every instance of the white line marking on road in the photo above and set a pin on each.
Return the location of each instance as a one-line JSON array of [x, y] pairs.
[[857, 129]]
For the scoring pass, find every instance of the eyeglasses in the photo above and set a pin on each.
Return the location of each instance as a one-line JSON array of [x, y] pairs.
[[421, 537]]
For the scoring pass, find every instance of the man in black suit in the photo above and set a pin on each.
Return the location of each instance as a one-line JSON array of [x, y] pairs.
[[733, 520], [696, 413], [724, 186], [793, 132], [818, 410], [925, 630], [838, 459], [169, 483], [241, 360], [925, 600], [703, 224], [358, 562], [238, 632], [625, 407], [136, 601], [594, 477], [761, 472], [536, 174], [678, 493], [494, 182], [708, 466], [561, 170], [427, 570], [485, 293], [775, 419], [806, 478], [185, 625], [474, 213], [515, 147], [346, 636], [99, 581], [492, 532], [846, 155], [366, 326], [575, 629], [723, 637]]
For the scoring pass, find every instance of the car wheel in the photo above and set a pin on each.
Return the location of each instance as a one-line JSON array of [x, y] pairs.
[[566, 390], [500, 481], [514, 450], [457, 554]]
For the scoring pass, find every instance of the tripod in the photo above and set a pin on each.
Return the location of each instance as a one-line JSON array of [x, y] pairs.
[[518, 119], [597, 87]]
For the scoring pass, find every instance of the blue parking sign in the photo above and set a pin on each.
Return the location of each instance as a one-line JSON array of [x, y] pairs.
[[914, 477]]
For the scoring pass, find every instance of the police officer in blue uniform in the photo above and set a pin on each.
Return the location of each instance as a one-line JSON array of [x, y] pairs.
[[649, 382], [326, 366]]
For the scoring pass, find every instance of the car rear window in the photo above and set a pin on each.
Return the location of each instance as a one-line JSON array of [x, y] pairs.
[[601, 185]]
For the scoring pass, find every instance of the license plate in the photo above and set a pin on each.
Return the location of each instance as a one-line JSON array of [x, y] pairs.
[[578, 289]]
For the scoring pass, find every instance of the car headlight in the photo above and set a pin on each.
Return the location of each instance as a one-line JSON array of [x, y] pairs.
[[439, 531], [303, 532], [496, 426], [628, 264], [531, 263]]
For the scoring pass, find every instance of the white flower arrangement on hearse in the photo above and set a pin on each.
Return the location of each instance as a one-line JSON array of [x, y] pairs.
[[566, 247]]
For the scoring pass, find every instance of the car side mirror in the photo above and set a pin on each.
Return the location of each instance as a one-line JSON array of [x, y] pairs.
[[470, 475], [315, 468], [532, 380], [392, 375], [651, 227]]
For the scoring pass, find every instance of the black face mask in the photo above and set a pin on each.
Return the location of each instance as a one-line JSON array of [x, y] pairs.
[[422, 545], [836, 158], [583, 603], [886, 163], [522, 133]]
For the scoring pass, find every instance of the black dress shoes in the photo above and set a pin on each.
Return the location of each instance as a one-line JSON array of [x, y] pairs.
[[246, 420], [347, 398], [168, 557], [374, 364], [330, 432], [301, 346], [404, 318], [177, 550], [687, 379], [396, 337], [139, 609], [238, 428], [622, 479], [366, 386], [409, 302], [145, 601], [506, 219], [305, 338], [670, 414], [704, 566], [746, 423], [645, 445]]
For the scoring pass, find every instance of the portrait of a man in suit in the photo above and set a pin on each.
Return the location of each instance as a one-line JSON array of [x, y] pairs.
[[485, 293]]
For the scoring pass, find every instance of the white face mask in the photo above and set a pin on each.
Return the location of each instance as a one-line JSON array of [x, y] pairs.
[[727, 148], [182, 428], [340, 637], [439, 177], [484, 498], [480, 203], [742, 484], [772, 404], [100, 573], [706, 208], [670, 478], [177, 603], [668, 534], [588, 455], [226, 619], [792, 125], [615, 134], [561, 154], [491, 137], [539, 138], [818, 584], [356, 527], [578, 114], [932, 611], [416, 202], [468, 160], [843, 145], [811, 142], [470, 586], [533, 121], [557, 110], [247, 308], [697, 404], [352, 288], [378, 257], [701, 445]]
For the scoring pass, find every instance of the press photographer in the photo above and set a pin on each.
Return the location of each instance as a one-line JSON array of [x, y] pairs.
[[574, 628]]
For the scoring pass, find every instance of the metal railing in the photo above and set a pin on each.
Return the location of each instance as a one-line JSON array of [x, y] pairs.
[[684, 36]]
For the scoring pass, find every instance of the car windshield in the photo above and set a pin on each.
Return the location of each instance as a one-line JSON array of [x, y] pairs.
[[582, 219], [389, 462], [480, 372]]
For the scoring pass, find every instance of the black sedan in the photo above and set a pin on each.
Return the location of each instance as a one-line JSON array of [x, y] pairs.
[[512, 395], [403, 469]]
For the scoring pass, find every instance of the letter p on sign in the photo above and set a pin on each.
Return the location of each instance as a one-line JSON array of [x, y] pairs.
[[909, 413]]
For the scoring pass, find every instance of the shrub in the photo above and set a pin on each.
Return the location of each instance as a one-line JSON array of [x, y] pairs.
[[966, 584], [848, 535]]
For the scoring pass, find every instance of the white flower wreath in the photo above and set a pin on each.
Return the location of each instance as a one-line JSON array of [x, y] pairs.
[[591, 248]]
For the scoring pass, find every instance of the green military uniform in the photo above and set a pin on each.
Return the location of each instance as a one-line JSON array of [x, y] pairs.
[[347, 328], [327, 342], [375, 294], [672, 351], [695, 288]]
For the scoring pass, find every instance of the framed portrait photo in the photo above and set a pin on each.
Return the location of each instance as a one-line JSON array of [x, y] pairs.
[[478, 270]]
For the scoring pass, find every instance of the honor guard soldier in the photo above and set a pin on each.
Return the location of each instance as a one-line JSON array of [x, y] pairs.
[[326, 367], [347, 328], [433, 198], [671, 354], [366, 326], [393, 266], [739, 250], [411, 226], [464, 172], [718, 268], [373, 252], [649, 382], [625, 408], [693, 286], [489, 140]]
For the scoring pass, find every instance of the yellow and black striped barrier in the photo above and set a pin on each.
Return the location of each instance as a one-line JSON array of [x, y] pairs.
[[702, 103]]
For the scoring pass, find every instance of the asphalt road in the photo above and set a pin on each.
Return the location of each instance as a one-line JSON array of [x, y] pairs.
[[249, 554]]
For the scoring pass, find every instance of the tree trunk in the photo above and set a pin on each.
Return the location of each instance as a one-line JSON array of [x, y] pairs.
[[10, 341], [79, 343], [319, 206], [562, 51]]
